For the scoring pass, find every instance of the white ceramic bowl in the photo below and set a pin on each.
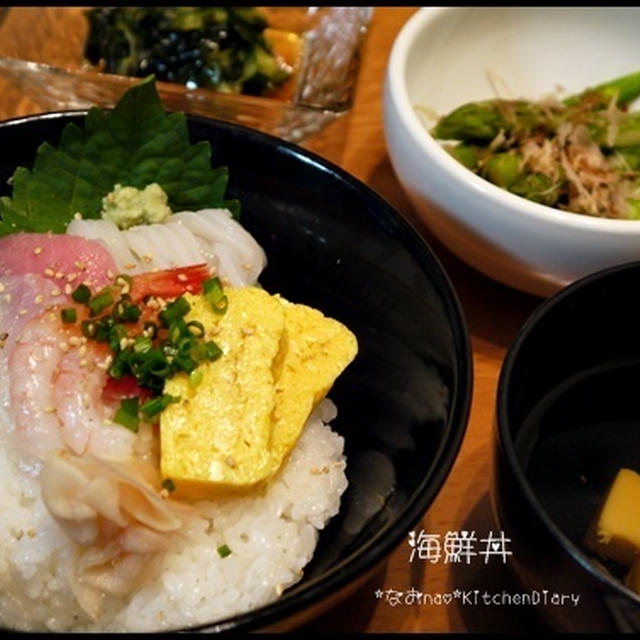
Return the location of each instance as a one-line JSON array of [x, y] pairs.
[[444, 57]]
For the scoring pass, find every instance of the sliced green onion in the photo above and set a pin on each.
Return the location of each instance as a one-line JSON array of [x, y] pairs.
[[177, 329], [173, 311], [120, 365], [212, 291], [142, 344], [123, 279], [81, 294], [127, 414], [195, 328], [184, 363], [100, 302], [116, 333], [213, 351], [89, 328], [123, 311], [68, 315], [195, 378], [224, 551], [154, 406], [169, 485], [103, 329], [184, 345], [150, 329]]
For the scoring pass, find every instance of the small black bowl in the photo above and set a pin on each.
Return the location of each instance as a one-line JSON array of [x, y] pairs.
[[403, 404], [567, 419]]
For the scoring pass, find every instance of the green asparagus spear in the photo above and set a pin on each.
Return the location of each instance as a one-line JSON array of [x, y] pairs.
[[482, 121], [624, 89], [626, 159], [633, 209], [502, 169], [465, 154], [538, 188], [477, 124]]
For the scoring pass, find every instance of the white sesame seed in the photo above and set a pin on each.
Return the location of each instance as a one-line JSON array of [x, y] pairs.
[[7, 297], [71, 277], [49, 272], [2, 287], [79, 265], [39, 299], [68, 289], [59, 275], [37, 251], [22, 312], [56, 292]]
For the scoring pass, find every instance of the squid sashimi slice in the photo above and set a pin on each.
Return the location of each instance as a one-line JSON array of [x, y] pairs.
[[63, 258], [116, 516], [110, 237]]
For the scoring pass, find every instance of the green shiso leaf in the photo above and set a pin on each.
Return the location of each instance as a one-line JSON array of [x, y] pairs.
[[135, 144]]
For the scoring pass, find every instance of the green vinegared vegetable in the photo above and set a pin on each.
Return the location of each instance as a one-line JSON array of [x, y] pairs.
[[581, 154], [216, 47]]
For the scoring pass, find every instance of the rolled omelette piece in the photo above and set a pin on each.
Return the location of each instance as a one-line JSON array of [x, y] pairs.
[[234, 430]]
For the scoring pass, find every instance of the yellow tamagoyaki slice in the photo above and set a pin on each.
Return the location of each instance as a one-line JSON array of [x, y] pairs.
[[222, 437], [318, 350], [218, 434]]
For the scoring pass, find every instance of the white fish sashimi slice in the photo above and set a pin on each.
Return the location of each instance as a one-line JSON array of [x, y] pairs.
[[109, 236]]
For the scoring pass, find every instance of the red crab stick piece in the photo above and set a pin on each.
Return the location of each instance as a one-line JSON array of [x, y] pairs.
[[64, 258]]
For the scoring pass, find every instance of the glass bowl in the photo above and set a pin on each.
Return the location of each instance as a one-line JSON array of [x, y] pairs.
[[41, 52]]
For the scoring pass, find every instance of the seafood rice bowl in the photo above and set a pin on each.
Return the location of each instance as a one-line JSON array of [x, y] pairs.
[[166, 450]]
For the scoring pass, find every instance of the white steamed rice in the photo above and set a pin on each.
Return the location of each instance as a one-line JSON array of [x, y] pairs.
[[272, 537]]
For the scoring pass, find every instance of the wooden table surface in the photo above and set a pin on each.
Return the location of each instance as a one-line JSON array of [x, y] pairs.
[[493, 313]]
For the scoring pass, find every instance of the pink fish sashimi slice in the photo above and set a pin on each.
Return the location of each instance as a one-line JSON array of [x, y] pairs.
[[63, 258], [23, 297]]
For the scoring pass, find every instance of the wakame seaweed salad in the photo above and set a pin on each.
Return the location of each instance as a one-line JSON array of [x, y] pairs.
[[222, 48]]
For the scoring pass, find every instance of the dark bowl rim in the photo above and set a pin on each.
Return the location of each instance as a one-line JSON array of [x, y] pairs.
[[384, 542], [507, 445]]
